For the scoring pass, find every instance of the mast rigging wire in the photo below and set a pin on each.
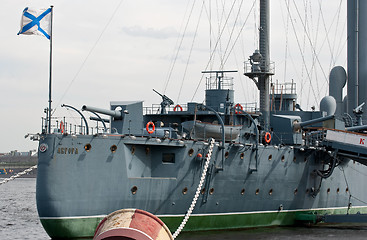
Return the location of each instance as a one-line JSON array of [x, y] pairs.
[[336, 32], [178, 49], [286, 44], [230, 35], [89, 53], [239, 33], [216, 45], [192, 46], [300, 49]]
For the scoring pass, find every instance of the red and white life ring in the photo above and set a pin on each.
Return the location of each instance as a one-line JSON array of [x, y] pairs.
[[267, 137], [62, 127], [177, 107], [150, 127], [239, 107]]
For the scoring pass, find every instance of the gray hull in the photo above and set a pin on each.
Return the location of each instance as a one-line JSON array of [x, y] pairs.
[[75, 184]]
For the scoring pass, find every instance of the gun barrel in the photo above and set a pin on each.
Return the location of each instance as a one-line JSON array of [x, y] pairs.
[[112, 113], [316, 120], [157, 92], [99, 120], [298, 126], [356, 128]]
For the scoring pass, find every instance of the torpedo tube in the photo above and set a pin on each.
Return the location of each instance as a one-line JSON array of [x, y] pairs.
[[132, 224]]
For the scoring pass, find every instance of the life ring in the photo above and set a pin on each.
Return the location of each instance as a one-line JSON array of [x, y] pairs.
[[150, 124], [267, 137], [176, 107], [238, 106], [62, 127]]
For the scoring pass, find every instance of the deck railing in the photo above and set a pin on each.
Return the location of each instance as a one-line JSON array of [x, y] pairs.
[[63, 125]]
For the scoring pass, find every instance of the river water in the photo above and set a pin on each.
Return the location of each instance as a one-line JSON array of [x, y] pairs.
[[19, 220]]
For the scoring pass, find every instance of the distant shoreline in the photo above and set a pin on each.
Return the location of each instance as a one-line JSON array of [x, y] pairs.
[[11, 165]]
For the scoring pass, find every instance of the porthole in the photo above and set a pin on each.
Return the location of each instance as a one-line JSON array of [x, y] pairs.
[[270, 191], [328, 190], [113, 148], [242, 191], [294, 159], [134, 190], [191, 152], [211, 191], [202, 191], [347, 190], [132, 150], [226, 154], [87, 147], [147, 150], [295, 191], [337, 190], [242, 156], [283, 158], [270, 157], [184, 191], [257, 191]]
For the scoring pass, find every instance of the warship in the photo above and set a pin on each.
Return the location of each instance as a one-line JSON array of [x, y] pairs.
[[273, 166]]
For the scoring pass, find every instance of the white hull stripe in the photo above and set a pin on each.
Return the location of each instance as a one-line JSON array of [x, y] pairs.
[[212, 214]]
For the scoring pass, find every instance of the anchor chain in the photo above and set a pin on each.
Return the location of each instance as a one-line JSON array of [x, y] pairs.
[[194, 200], [18, 174]]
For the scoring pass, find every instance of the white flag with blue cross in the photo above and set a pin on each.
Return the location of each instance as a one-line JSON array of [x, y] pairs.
[[36, 22]]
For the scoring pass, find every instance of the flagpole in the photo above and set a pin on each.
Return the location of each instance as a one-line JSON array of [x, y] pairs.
[[50, 79]]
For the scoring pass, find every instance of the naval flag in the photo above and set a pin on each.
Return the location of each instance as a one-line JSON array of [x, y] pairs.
[[36, 22]]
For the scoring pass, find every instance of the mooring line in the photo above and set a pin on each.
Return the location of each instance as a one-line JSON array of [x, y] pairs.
[[194, 200], [18, 174]]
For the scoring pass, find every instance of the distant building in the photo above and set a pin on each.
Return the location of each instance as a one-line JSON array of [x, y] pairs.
[[15, 153]]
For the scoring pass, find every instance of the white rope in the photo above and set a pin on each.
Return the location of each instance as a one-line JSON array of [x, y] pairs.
[[18, 175], [193, 203]]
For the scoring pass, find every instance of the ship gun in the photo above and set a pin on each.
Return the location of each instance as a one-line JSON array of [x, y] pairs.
[[297, 126], [117, 114], [166, 101]]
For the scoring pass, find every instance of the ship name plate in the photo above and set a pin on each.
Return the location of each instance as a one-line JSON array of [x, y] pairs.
[[62, 150]]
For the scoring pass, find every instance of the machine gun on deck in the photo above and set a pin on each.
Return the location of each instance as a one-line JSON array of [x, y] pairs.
[[166, 101]]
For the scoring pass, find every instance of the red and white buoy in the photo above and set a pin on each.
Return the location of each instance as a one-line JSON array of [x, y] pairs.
[[128, 224]]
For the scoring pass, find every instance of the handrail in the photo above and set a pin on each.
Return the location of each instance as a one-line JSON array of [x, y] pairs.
[[85, 120]]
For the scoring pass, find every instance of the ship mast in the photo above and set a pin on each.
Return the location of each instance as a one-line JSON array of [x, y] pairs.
[[357, 52], [259, 68], [264, 51]]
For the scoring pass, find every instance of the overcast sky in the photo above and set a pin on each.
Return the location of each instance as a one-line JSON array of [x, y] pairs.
[[119, 50]]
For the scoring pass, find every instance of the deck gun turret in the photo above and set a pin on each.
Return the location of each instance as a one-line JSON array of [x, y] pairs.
[[126, 116], [117, 114], [166, 101]]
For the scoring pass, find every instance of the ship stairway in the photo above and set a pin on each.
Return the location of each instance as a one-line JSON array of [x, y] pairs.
[[347, 144]]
